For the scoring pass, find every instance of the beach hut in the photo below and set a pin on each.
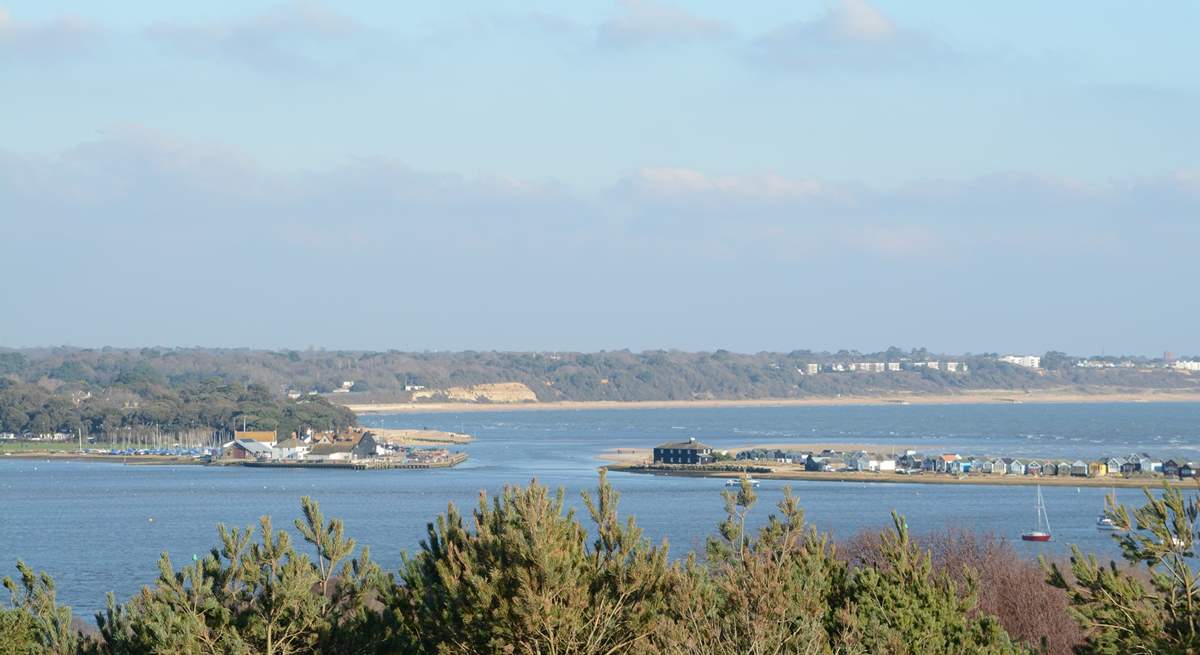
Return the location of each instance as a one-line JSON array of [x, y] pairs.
[[1097, 469], [1063, 469], [999, 467], [1013, 466], [1079, 468], [1113, 465], [1033, 468], [949, 463]]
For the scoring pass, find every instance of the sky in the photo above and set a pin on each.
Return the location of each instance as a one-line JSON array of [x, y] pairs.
[[601, 174]]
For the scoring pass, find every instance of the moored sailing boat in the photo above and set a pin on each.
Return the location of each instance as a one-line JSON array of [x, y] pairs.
[[1042, 530], [1103, 522]]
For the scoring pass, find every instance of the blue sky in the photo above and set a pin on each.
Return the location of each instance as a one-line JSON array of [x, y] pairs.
[[609, 174]]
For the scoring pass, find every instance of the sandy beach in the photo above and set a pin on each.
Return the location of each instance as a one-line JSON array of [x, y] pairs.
[[410, 437], [965, 398], [920, 478]]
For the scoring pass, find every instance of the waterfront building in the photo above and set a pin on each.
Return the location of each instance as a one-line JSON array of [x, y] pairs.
[[246, 449], [289, 449], [267, 437], [684, 452]]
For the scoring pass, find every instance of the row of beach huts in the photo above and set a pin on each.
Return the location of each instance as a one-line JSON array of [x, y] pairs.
[[693, 452]]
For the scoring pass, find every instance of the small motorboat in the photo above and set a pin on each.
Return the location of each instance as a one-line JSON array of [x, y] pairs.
[[1041, 531], [737, 482]]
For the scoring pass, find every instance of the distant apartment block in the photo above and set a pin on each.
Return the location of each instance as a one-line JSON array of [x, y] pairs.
[[882, 367], [1181, 365], [1097, 363], [1026, 361]]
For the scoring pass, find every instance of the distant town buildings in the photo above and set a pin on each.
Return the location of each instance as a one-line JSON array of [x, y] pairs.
[[882, 367], [1025, 361]]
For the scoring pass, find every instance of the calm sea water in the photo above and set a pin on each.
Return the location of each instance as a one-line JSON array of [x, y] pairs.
[[100, 527]]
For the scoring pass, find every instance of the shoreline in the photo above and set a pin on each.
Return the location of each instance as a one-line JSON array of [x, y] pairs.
[[893, 478], [130, 460], [988, 397], [419, 437]]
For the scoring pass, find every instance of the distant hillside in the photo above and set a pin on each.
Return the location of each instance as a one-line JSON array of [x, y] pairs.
[[616, 375]]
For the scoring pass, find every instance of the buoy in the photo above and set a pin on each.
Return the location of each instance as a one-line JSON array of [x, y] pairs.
[[151, 519]]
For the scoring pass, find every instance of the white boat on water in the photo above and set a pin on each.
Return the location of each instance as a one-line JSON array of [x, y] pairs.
[[1103, 522], [737, 482], [1042, 530]]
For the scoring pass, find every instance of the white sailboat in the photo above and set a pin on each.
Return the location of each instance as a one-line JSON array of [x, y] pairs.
[[1103, 522], [1041, 531]]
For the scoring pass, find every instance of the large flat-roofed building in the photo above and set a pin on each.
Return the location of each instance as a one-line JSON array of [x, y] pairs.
[[683, 452]]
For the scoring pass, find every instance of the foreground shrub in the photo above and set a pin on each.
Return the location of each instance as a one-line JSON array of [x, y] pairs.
[[523, 579], [1153, 605], [1008, 587], [253, 597], [35, 622], [522, 575]]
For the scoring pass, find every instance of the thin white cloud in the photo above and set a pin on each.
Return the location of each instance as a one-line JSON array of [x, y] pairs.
[[135, 178], [195, 230], [643, 22], [849, 34], [280, 39], [857, 20], [49, 40], [682, 183]]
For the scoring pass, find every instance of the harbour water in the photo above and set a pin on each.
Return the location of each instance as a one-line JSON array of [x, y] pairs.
[[101, 527]]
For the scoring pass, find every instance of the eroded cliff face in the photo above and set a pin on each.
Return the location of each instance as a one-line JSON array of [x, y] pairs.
[[500, 392]]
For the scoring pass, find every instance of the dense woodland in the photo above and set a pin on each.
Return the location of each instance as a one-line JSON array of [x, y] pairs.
[[126, 398], [522, 575], [96, 390]]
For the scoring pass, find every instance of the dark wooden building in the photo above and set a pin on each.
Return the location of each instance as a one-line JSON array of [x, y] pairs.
[[683, 452]]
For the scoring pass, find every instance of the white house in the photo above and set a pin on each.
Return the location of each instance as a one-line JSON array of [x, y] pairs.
[[290, 449], [1025, 361]]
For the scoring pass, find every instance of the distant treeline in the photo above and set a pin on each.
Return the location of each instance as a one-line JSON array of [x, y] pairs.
[[520, 574], [613, 375], [127, 398]]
